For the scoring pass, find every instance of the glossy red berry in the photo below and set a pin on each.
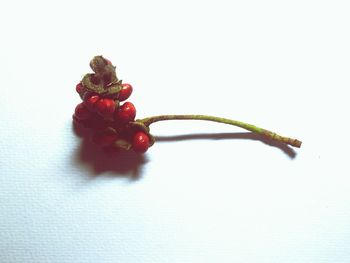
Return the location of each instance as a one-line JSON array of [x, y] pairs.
[[140, 142], [79, 87], [125, 92], [105, 137], [126, 112], [90, 102], [105, 107], [81, 112]]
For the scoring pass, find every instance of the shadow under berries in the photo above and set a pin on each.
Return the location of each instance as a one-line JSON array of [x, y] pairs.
[[220, 136], [99, 161]]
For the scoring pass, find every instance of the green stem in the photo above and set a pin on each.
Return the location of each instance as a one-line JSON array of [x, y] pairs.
[[266, 133]]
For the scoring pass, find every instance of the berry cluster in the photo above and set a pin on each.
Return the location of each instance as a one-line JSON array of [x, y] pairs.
[[113, 123]]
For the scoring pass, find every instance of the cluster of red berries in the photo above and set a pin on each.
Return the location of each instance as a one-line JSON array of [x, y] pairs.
[[113, 123]]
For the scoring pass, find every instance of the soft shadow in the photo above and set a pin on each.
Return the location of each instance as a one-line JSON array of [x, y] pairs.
[[99, 161], [289, 151]]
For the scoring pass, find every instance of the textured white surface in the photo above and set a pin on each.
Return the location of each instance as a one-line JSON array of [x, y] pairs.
[[220, 195]]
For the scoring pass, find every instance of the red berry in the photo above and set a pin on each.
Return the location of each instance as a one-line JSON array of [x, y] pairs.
[[126, 112], [125, 92], [81, 112], [91, 102], [105, 137], [87, 95], [140, 142], [79, 87], [105, 107]]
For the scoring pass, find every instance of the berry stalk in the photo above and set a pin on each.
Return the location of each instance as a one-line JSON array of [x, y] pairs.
[[266, 133]]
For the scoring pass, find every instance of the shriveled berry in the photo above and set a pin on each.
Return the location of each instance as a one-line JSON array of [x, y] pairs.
[[79, 87], [140, 142], [125, 92], [81, 112], [105, 137], [95, 79], [106, 78], [105, 107], [126, 112], [91, 102]]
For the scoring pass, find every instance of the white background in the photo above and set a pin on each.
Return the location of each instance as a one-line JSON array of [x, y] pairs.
[[209, 192]]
